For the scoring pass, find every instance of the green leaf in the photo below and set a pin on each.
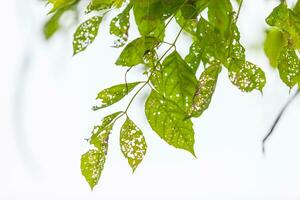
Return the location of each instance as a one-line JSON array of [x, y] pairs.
[[86, 34], [206, 87], [132, 143], [58, 4], [170, 122], [246, 76], [288, 21], [134, 53], [189, 11], [52, 25], [188, 25], [175, 81], [236, 50], [149, 17], [100, 133], [98, 5], [194, 57], [279, 16], [92, 164], [212, 43], [114, 94], [119, 27], [171, 6], [297, 8], [186, 17], [289, 67], [219, 14], [119, 3], [274, 42]]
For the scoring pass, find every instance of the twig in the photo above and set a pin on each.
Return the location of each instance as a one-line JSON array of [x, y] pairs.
[[277, 120]]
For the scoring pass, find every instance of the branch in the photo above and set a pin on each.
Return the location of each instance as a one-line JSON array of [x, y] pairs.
[[277, 120]]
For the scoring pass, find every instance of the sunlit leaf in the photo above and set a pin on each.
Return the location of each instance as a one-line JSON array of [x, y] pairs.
[[92, 164], [100, 133], [176, 81], [58, 4], [133, 144], [169, 122], [86, 34], [119, 27], [97, 5], [114, 94], [133, 54], [288, 21], [211, 42], [149, 17], [289, 67], [246, 76], [274, 42]]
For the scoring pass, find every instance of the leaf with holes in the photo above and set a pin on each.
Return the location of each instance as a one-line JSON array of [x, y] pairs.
[[220, 13], [205, 90], [100, 133], [175, 81], [211, 42], [133, 144], [246, 76], [169, 122], [86, 34], [135, 52], [58, 4], [288, 21], [289, 67], [98, 5], [194, 57], [119, 27], [114, 94], [92, 164]]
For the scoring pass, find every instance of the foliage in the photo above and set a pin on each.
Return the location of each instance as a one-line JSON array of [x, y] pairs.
[[177, 94], [283, 42]]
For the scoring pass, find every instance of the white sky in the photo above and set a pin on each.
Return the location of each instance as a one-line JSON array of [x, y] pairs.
[[44, 123]]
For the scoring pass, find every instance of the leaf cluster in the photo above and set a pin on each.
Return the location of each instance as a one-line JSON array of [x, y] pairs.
[[178, 93], [283, 42]]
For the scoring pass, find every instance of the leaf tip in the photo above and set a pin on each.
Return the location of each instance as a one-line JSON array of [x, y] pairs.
[[192, 151], [95, 108]]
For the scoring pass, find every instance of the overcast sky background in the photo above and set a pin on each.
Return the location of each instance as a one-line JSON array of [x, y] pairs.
[[45, 100]]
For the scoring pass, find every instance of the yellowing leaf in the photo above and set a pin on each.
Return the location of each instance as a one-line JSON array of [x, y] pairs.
[[133, 144], [92, 164]]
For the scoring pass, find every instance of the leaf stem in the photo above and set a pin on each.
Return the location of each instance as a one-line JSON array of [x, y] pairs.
[[239, 10]]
